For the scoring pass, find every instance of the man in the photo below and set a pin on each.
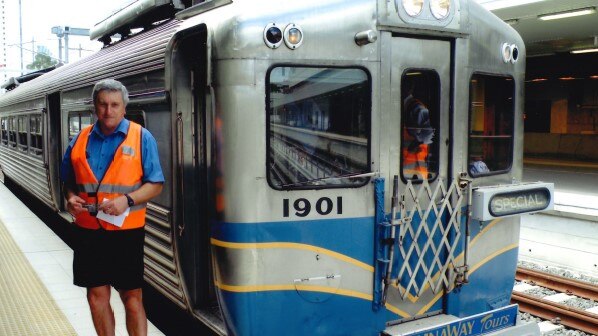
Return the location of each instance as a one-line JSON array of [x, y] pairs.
[[111, 169], [418, 137]]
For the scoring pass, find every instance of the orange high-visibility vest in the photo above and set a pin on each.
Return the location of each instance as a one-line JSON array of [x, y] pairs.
[[415, 163], [122, 177]]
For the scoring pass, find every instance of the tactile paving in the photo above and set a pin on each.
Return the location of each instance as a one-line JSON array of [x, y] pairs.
[[26, 306]]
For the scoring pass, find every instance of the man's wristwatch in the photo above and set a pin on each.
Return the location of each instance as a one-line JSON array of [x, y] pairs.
[[129, 200]]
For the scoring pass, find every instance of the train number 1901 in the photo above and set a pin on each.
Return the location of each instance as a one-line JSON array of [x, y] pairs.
[[302, 207]]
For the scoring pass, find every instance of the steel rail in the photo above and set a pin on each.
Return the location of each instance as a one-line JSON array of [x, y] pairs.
[[568, 316], [558, 283]]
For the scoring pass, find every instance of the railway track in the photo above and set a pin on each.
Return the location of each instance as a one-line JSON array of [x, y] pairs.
[[568, 316]]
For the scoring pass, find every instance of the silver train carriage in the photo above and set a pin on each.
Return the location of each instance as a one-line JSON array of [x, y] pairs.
[[334, 167]]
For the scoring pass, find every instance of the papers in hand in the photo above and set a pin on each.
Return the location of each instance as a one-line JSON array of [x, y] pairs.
[[114, 220]]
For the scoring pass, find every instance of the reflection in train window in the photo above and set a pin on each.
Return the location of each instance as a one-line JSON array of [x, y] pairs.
[[491, 120], [137, 116], [77, 121], [22, 122], [4, 127], [420, 115], [12, 131], [318, 127], [35, 131]]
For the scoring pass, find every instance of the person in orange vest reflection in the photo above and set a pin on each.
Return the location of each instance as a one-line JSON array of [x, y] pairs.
[[417, 137], [110, 170]]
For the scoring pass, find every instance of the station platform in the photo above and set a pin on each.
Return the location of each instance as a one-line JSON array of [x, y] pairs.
[[575, 194], [566, 237], [37, 295]]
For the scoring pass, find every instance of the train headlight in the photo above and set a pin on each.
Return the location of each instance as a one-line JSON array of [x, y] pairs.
[[272, 36], [514, 53], [413, 7], [440, 8], [510, 53], [507, 52], [293, 36]]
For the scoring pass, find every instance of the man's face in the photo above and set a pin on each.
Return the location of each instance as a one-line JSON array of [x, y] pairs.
[[110, 110]]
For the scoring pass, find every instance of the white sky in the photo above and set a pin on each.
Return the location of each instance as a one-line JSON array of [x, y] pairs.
[[39, 16]]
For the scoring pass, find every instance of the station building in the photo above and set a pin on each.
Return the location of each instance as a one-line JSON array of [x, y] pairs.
[[561, 92]]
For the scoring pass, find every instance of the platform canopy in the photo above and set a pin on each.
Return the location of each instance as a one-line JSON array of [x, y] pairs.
[[550, 26]]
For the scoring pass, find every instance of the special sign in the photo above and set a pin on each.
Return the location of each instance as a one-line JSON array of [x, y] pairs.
[[519, 202], [492, 202]]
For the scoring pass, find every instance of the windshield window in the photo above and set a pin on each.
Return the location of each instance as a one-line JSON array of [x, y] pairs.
[[491, 120], [318, 127]]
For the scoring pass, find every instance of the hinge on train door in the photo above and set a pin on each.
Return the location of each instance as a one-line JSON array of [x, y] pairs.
[[462, 271], [380, 249], [385, 240], [180, 163]]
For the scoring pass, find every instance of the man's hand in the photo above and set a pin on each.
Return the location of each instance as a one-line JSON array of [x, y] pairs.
[[75, 205], [114, 207]]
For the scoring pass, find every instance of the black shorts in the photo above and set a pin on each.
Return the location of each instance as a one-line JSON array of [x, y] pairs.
[[112, 258]]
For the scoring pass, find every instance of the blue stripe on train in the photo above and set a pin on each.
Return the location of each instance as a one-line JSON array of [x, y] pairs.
[[490, 287], [290, 313], [313, 313], [259, 313], [352, 237]]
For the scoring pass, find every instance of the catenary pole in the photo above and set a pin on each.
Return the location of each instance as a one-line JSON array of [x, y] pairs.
[[21, 34]]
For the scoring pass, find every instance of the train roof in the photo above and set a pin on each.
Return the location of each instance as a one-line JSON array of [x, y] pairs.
[[236, 31], [13, 82], [139, 54]]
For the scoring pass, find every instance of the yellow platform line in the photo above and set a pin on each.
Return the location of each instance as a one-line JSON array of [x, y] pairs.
[[26, 306], [553, 163]]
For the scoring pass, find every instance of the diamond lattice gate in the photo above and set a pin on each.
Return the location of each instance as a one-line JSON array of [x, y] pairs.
[[426, 231]]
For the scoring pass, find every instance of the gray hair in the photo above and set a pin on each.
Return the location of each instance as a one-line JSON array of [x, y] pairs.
[[110, 85]]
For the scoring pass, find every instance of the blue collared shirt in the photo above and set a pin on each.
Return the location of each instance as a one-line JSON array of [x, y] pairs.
[[100, 153]]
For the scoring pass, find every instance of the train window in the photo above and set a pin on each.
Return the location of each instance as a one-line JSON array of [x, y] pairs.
[[137, 116], [491, 119], [420, 115], [12, 132], [22, 122], [35, 131], [4, 127], [77, 121], [318, 127]]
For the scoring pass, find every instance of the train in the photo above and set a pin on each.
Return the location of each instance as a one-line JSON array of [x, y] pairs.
[[303, 195]]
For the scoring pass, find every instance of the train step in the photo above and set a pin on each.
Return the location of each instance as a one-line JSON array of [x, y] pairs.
[[498, 322], [408, 328]]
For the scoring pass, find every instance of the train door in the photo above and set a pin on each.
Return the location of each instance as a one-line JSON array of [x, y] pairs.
[[427, 220], [192, 106], [54, 148]]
